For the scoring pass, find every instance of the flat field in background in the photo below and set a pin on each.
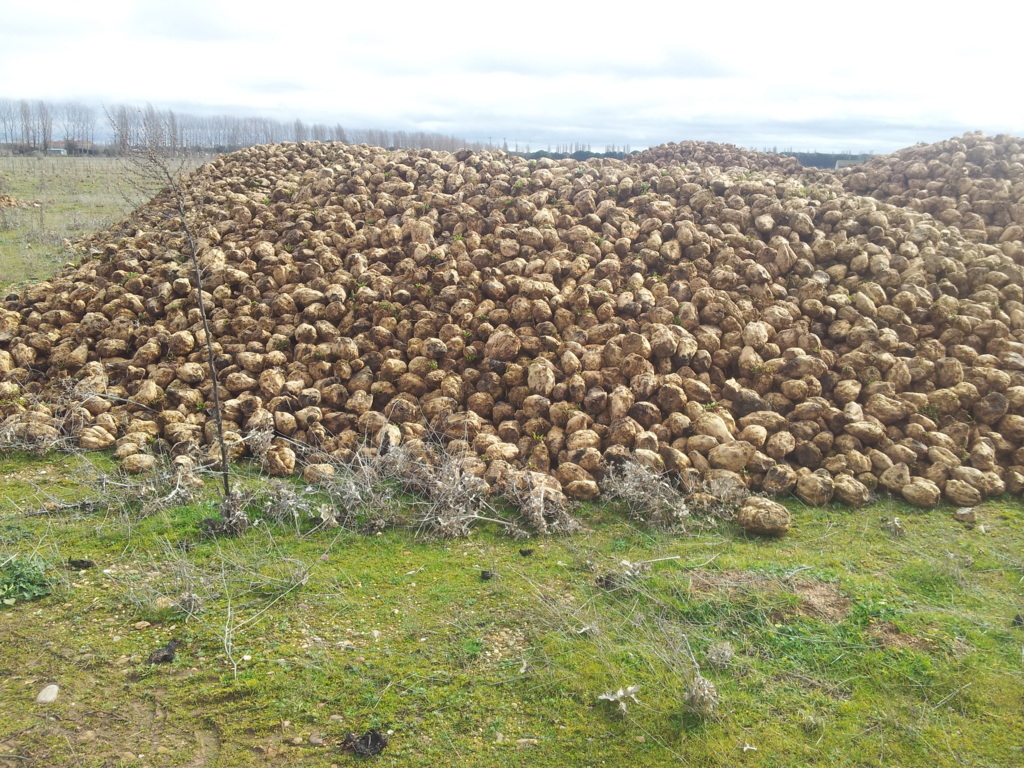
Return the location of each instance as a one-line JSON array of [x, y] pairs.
[[60, 198]]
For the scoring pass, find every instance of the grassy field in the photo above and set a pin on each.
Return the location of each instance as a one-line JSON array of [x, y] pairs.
[[61, 198], [852, 641]]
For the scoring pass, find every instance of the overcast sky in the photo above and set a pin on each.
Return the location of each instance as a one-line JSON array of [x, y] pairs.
[[874, 76]]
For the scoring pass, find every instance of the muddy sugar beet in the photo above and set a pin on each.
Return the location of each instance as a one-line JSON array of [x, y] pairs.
[[720, 315]]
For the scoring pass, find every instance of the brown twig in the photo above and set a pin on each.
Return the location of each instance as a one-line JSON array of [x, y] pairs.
[[149, 154]]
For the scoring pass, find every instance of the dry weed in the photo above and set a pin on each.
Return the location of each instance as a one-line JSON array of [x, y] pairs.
[[648, 496]]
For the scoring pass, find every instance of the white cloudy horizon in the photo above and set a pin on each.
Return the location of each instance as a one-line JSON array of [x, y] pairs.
[[794, 75]]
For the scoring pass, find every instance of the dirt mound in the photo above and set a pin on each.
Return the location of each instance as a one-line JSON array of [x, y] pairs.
[[706, 311], [973, 182]]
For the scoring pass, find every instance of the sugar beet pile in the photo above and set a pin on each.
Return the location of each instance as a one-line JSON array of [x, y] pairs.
[[724, 316]]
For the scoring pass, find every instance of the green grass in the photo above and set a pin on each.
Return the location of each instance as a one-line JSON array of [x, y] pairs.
[[67, 197], [849, 645]]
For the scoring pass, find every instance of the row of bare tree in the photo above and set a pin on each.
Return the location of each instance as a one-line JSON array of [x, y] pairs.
[[39, 125]]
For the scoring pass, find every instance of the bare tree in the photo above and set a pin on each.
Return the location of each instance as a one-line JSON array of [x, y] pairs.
[[44, 119], [8, 121], [173, 132], [87, 124], [152, 165], [76, 124], [28, 126], [122, 126], [158, 131], [65, 117]]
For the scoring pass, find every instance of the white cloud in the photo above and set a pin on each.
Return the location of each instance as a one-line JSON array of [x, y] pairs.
[[874, 76]]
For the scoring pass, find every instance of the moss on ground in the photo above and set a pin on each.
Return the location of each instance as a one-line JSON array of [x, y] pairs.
[[841, 644]]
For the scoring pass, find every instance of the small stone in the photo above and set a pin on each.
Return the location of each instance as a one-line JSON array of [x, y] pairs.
[[48, 695], [966, 515], [336, 718], [141, 624], [315, 740], [296, 741], [894, 526]]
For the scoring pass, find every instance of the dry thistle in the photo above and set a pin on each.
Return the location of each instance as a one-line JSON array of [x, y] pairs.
[[720, 655], [701, 696], [620, 696]]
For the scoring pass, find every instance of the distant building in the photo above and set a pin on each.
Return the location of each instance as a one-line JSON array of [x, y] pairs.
[[56, 152], [74, 146], [847, 163]]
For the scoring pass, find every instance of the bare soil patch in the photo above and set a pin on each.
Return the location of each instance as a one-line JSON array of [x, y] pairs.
[[817, 599], [888, 635]]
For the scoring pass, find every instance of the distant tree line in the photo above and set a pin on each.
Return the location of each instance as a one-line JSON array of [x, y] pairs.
[[820, 159], [575, 147], [579, 154], [28, 127], [826, 159], [37, 125]]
